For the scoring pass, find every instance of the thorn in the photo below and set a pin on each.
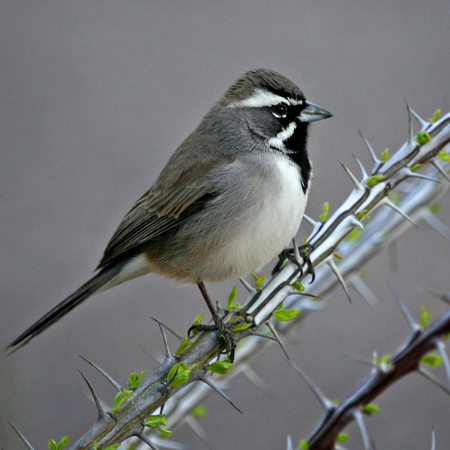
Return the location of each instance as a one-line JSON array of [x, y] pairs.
[[111, 380], [361, 360], [365, 176], [289, 443], [255, 379], [410, 125], [101, 412], [335, 270], [415, 327], [387, 202], [277, 338], [310, 221], [214, 387], [177, 335], [22, 437], [324, 401], [441, 349], [363, 290], [436, 224], [355, 181], [166, 345], [422, 122], [440, 169], [430, 377], [433, 439], [355, 222], [144, 438], [440, 295], [250, 289], [377, 162], [265, 336], [362, 427], [409, 173]]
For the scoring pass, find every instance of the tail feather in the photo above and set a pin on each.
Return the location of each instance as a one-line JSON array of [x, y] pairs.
[[83, 293]]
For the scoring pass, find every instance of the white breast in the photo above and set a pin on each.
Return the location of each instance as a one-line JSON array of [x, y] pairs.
[[272, 223]]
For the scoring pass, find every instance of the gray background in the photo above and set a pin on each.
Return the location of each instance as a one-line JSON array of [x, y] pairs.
[[96, 95]]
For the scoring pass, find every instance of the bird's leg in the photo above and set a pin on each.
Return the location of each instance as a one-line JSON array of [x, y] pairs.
[[224, 330], [289, 254]]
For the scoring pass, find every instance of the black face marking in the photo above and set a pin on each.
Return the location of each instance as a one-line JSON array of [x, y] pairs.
[[296, 151]]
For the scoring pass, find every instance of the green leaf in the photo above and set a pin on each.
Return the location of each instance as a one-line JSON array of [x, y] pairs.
[[298, 286], [95, 445], [112, 447], [375, 179], [363, 215], [370, 408], [230, 304], [415, 167], [184, 344], [423, 137], [324, 215], [121, 397], [354, 235], [432, 360], [199, 411], [342, 437], [425, 316], [285, 315], [52, 445], [436, 115], [163, 431], [385, 155], [337, 255], [156, 419], [279, 307], [385, 358], [180, 374], [435, 207], [220, 367], [305, 240], [134, 379], [63, 442], [242, 326], [444, 155], [303, 445], [258, 280]]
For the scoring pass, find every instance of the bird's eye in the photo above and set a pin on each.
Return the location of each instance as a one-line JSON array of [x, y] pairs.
[[280, 110]]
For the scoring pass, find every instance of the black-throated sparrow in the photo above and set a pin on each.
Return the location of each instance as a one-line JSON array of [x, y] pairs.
[[230, 198]]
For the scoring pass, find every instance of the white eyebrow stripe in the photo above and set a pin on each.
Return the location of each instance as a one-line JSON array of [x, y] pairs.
[[261, 98]]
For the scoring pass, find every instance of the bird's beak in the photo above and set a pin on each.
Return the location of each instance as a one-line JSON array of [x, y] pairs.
[[312, 113]]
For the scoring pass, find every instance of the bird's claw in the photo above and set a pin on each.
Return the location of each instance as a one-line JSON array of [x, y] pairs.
[[289, 254], [224, 331]]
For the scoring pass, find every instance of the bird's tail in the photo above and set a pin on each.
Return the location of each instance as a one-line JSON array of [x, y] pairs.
[[94, 285]]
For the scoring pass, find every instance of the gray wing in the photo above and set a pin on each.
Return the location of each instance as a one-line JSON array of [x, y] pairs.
[[176, 195]]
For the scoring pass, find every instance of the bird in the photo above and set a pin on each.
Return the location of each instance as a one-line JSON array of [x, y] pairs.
[[229, 199]]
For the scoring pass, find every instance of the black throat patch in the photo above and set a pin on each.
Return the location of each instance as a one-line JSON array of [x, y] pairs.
[[296, 151]]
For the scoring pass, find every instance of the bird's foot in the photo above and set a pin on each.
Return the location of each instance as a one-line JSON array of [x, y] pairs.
[[224, 331], [289, 254]]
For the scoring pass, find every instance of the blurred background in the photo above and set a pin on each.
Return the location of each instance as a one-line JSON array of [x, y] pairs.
[[95, 96]]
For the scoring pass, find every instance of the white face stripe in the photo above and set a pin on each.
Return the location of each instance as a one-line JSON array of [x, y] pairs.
[[278, 141], [261, 98]]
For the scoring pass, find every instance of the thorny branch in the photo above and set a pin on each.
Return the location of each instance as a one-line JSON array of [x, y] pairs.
[[406, 360], [160, 391]]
